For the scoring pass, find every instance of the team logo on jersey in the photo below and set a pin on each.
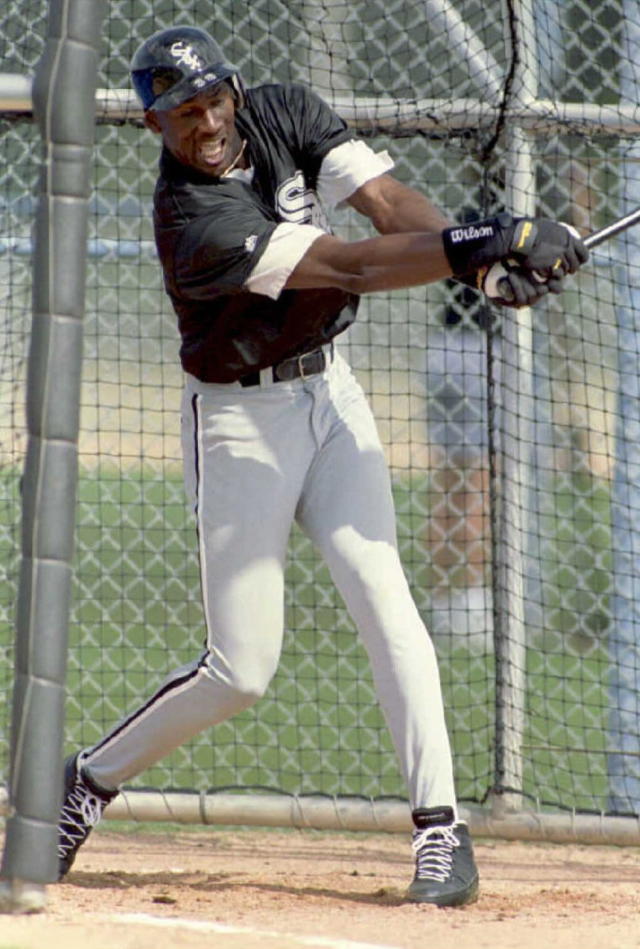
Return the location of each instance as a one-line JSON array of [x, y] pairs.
[[298, 204], [185, 55]]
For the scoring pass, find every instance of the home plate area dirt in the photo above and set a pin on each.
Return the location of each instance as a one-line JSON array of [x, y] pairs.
[[244, 889]]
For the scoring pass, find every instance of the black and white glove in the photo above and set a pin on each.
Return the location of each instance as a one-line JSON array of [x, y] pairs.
[[538, 245], [508, 284]]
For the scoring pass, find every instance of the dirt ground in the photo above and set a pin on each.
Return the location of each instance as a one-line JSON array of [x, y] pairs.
[[248, 889]]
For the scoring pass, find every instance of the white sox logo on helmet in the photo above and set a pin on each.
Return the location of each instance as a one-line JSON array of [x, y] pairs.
[[185, 56]]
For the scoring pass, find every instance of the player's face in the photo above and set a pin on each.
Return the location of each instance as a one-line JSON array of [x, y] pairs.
[[201, 132]]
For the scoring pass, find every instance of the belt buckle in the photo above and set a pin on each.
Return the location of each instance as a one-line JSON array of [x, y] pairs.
[[300, 361], [316, 354]]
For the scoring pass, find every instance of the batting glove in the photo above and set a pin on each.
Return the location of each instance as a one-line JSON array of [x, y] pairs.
[[539, 245], [508, 284]]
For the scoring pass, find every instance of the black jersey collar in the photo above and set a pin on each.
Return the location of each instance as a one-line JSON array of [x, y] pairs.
[[174, 170]]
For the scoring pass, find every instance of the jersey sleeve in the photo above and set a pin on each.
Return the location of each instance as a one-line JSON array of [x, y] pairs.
[[218, 249], [316, 128], [346, 168], [287, 246]]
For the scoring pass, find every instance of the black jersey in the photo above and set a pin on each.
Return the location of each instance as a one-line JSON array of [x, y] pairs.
[[210, 233]]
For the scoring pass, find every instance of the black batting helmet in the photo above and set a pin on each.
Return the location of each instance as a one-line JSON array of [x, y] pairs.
[[173, 65]]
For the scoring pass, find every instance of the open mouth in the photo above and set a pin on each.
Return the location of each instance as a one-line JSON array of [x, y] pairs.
[[212, 152]]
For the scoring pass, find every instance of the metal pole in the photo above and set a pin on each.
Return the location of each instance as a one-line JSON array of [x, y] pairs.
[[515, 448], [445, 20], [64, 104], [623, 760]]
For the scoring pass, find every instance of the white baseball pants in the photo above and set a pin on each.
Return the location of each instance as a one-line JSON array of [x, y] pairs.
[[255, 459]]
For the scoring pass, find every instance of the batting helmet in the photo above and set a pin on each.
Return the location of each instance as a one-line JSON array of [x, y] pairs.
[[173, 65]]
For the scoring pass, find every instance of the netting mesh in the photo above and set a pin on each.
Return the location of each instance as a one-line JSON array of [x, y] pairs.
[[512, 440]]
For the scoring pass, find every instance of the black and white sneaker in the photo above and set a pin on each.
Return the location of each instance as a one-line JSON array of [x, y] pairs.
[[446, 872], [82, 808]]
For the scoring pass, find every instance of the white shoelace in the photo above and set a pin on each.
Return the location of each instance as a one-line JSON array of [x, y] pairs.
[[434, 849], [81, 811]]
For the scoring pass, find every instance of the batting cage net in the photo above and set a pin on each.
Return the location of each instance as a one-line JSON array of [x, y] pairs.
[[513, 436]]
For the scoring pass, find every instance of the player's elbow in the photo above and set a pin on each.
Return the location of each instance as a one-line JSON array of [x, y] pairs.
[[339, 278], [330, 263], [353, 282]]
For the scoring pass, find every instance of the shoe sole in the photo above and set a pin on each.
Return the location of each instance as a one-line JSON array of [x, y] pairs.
[[470, 895]]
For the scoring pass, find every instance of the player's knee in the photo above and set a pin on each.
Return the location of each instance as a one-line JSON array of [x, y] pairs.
[[247, 689], [245, 684]]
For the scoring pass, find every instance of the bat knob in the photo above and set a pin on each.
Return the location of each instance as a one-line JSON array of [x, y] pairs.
[[504, 290]]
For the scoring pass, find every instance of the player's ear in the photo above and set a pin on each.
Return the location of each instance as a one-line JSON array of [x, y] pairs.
[[151, 121], [237, 87]]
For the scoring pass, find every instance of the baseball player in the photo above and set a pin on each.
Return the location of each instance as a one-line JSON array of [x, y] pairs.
[[274, 426]]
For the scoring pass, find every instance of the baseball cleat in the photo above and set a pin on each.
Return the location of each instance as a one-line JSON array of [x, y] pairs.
[[446, 872], [82, 808]]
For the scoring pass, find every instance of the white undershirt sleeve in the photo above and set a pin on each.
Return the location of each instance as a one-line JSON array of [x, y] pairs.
[[287, 246], [346, 168]]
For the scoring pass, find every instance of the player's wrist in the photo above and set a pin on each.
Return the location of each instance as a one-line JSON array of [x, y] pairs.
[[539, 245], [470, 247]]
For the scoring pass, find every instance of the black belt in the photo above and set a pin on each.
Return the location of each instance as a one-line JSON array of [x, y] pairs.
[[297, 367]]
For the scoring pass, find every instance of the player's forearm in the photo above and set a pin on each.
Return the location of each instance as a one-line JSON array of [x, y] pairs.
[[393, 261], [410, 212], [394, 208], [388, 262]]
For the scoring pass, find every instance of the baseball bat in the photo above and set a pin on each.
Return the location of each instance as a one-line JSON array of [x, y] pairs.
[[616, 227], [606, 233]]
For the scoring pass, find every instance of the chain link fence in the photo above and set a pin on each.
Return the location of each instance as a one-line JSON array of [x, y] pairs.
[[446, 88]]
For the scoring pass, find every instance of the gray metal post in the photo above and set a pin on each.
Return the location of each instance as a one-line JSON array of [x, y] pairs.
[[64, 104], [623, 760], [515, 452], [444, 19]]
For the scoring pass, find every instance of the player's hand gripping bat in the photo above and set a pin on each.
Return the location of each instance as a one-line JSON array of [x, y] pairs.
[[497, 287]]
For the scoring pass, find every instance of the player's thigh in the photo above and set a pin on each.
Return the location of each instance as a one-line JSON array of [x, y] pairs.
[[348, 489], [244, 497], [349, 515]]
